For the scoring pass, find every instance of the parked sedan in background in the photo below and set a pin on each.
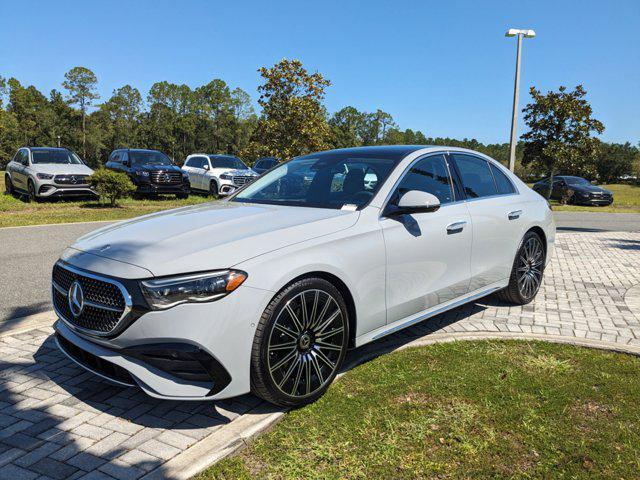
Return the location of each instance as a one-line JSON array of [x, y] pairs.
[[263, 164], [46, 172], [266, 291], [584, 192], [217, 174], [151, 171]]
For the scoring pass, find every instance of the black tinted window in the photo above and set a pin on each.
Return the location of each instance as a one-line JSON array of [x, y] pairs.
[[502, 182], [149, 158], [476, 176], [227, 162], [427, 175], [58, 157]]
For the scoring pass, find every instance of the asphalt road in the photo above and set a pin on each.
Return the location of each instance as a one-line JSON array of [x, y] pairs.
[[28, 254]]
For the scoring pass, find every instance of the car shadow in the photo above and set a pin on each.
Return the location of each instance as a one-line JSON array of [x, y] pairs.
[[625, 244]]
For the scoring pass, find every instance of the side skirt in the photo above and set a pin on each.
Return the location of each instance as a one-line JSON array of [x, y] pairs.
[[426, 314]]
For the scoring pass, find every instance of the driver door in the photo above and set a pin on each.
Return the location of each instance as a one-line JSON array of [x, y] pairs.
[[428, 254]]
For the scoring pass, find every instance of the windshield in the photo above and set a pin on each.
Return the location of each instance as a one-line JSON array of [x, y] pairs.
[[149, 158], [227, 162], [577, 181], [324, 181], [58, 157]]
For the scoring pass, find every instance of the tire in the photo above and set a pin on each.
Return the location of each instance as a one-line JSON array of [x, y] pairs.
[[32, 191], [213, 188], [8, 185], [527, 271], [296, 355]]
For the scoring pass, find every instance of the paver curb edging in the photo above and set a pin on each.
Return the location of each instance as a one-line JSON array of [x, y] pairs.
[[62, 223], [235, 436]]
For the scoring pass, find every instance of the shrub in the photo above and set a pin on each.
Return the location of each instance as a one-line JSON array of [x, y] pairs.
[[112, 185]]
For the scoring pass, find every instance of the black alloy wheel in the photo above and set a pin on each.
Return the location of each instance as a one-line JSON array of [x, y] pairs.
[[527, 271], [300, 343]]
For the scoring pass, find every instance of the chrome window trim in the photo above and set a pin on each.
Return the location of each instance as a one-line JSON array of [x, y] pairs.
[[128, 303]]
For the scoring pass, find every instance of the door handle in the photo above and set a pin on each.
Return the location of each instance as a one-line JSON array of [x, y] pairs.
[[514, 215], [455, 227]]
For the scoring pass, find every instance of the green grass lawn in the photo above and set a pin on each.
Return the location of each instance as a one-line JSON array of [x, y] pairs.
[[493, 409], [626, 199], [15, 211]]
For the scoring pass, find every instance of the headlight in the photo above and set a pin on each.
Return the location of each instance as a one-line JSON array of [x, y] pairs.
[[142, 173], [226, 176], [44, 176], [165, 293]]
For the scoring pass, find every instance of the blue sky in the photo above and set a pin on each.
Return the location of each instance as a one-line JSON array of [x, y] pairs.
[[443, 67]]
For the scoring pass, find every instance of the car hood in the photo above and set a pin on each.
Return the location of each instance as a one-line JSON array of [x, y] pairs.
[[56, 169], [588, 188], [210, 236], [156, 168], [234, 172]]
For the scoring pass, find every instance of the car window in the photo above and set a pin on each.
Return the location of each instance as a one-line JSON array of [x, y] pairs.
[[149, 157], [325, 180], [504, 185], [477, 179], [23, 157], [429, 175], [227, 162], [57, 157], [124, 157], [191, 162]]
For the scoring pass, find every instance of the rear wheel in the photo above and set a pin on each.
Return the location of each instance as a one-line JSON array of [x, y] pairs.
[[527, 271], [300, 343]]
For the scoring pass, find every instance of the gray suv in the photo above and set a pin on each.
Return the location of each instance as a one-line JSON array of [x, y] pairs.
[[44, 172]]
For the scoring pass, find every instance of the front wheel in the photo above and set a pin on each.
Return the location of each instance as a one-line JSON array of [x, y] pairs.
[[32, 191], [300, 343], [527, 271], [8, 186], [213, 188]]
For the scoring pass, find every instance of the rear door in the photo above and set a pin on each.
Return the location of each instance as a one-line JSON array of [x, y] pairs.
[[496, 210], [428, 254]]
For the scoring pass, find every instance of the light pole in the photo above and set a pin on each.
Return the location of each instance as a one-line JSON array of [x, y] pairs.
[[512, 32]]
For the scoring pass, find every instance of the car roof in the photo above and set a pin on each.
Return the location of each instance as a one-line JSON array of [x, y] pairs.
[[62, 149], [139, 150]]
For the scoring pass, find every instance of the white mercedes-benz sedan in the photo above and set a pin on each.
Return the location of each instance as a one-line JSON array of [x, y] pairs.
[[266, 291]]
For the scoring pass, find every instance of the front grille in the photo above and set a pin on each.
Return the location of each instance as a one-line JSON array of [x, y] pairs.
[[240, 180], [166, 178], [104, 302], [71, 179]]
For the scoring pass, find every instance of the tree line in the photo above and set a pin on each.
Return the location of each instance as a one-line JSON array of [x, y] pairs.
[[218, 118]]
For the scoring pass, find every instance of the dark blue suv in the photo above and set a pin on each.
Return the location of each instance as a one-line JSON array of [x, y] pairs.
[[152, 172]]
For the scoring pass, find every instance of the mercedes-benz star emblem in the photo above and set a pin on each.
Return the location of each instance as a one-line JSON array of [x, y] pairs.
[[76, 298]]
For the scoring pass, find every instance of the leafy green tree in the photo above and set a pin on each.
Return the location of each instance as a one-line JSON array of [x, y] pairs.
[[346, 126], [615, 160], [81, 83], [559, 137], [112, 185], [123, 110], [293, 120]]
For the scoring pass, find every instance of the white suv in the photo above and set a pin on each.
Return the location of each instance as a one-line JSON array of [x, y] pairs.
[[217, 174], [43, 172]]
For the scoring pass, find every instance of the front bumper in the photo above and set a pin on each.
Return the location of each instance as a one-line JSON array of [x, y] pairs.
[[51, 190], [157, 189], [217, 338], [593, 201]]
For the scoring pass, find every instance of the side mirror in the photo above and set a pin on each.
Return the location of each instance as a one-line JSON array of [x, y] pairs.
[[415, 201], [126, 163], [205, 166]]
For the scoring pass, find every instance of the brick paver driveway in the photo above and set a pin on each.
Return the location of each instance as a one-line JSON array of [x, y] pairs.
[[60, 422]]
